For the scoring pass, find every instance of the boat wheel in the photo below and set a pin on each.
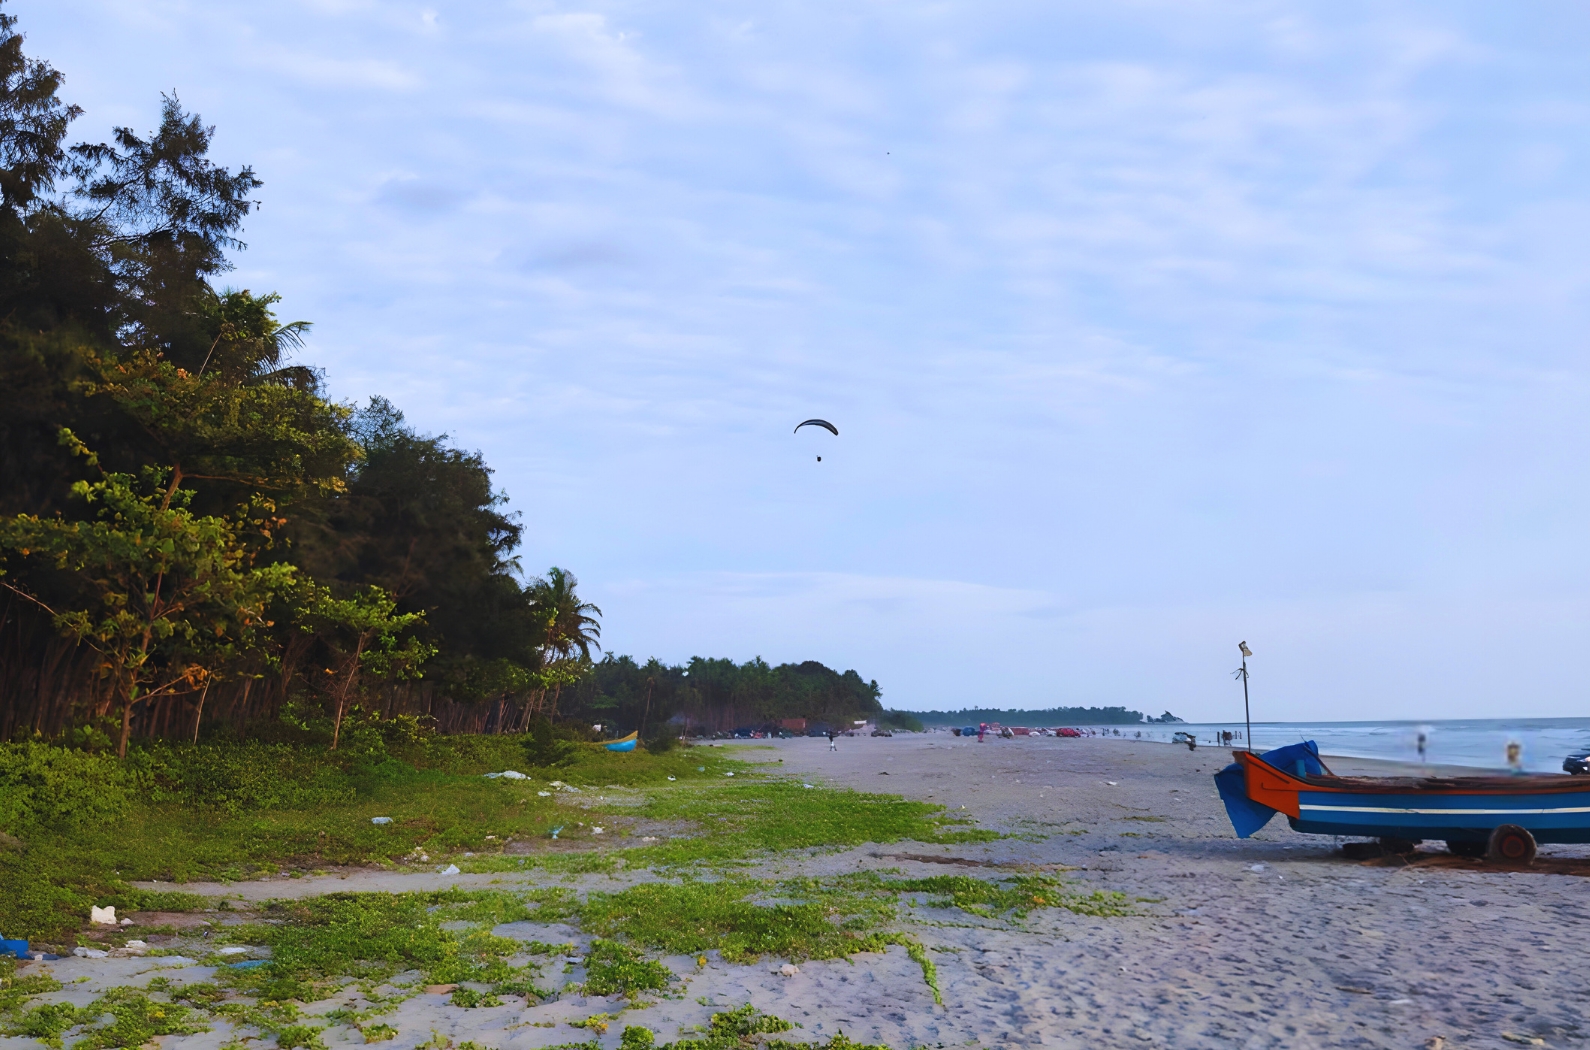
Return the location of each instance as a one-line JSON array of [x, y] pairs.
[[1511, 844], [1465, 848]]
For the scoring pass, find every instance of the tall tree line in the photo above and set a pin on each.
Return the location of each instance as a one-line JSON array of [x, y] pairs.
[[192, 535]]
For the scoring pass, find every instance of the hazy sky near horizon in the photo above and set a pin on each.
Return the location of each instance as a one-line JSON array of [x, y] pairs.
[[1148, 327]]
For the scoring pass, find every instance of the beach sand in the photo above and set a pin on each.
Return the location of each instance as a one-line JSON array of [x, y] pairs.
[[1276, 941]]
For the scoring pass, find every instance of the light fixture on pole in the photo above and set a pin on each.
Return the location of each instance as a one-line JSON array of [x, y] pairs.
[[1242, 673]]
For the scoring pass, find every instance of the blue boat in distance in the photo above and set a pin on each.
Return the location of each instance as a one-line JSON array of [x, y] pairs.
[[1501, 817]]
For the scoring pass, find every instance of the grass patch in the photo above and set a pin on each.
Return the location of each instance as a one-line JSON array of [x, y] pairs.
[[372, 936], [747, 1029], [822, 922], [134, 1019], [618, 969], [1016, 896], [91, 824]]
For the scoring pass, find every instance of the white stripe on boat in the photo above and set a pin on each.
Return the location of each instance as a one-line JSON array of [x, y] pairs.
[[1442, 812]]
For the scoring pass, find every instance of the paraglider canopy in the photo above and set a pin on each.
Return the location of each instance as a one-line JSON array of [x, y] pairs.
[[819, 423]]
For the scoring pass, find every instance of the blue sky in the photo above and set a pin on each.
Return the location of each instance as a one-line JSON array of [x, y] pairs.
[[1148, 327]]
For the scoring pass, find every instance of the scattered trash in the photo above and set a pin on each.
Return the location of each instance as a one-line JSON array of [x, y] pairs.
[[789, 969], [673, 778], [468, 854], [491, 838], [380, 820], [1113, 783], [728, 774], [103, 916], [648, 838], [556, 830], [232, 949], [451, 869], [507, 774], [89, 953], [249, 964], [806, 785], [596, 830], [701, 960], [440, 989], [544, 794], [1399, 1002], [701, 769], [1256, 867], [18, 948], [43, 957]]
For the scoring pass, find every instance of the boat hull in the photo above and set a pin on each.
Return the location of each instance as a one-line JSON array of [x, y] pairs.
[[624, 744], [1292, 781], [1559, 817]]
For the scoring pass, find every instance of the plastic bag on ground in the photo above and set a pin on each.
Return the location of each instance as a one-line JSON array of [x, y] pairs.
[[105, 916]]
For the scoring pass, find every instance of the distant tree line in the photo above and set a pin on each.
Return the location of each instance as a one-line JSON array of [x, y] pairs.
[[194, 539], [722, 696], [1052, 716]]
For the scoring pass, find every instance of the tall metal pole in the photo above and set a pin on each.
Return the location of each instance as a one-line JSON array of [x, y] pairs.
[[1246, 714]]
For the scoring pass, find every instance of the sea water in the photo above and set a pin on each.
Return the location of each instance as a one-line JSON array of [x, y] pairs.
[[1479, 743]]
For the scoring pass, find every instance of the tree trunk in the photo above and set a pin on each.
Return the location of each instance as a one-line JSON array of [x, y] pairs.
[[199, 714]]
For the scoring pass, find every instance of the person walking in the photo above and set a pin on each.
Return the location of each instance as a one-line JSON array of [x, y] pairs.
[[831, 736]]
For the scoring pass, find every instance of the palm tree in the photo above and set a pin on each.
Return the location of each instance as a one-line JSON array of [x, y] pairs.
[[566, 621], [568, 624]]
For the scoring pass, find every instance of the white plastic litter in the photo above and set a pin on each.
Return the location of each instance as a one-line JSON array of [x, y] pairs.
[[451, 869], [806, 785], [1256, 867], [728, 774], [507, 774], [380, 820], [104, 916], [596, 831], [232, 949], [544, 794], [673, 778], [89, 953]]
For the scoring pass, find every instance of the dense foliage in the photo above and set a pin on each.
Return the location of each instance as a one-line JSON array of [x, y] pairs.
[[194, 539]]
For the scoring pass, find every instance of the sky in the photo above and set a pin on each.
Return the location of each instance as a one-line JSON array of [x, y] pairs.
[[1148, 327]]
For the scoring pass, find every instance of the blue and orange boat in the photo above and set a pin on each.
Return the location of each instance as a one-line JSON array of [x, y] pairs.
[[1500, 817]]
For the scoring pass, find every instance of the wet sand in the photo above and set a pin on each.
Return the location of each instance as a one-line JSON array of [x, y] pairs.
[[1276, 941]]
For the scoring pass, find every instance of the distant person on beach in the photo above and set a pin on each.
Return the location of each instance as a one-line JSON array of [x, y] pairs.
[[1422, 741], [831, 745]]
